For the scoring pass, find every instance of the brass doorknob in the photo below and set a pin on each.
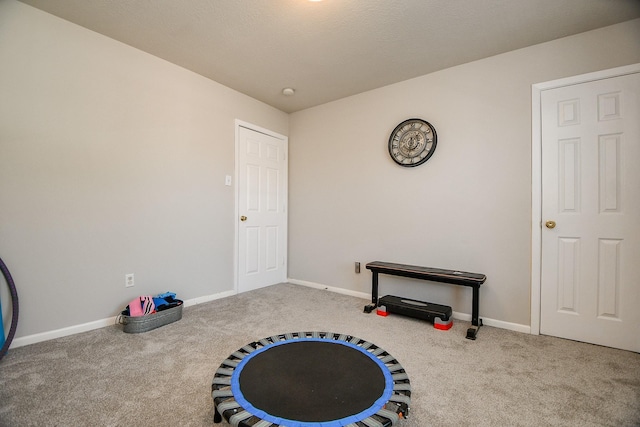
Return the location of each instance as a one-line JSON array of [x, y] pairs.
[[550, 224], [243, 218]]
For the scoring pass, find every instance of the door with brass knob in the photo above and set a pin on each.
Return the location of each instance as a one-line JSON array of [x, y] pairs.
[[262, 194], [589, 289]]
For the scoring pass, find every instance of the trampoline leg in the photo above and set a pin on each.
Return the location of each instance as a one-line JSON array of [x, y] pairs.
[[216, 416]]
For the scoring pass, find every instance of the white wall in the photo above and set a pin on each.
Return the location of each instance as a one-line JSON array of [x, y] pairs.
[[468, 207], [112, 161]]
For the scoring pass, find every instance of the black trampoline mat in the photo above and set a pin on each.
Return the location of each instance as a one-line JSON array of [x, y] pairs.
[[312, 381]]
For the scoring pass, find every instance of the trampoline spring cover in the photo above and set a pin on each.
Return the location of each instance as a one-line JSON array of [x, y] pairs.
[[325, 380]]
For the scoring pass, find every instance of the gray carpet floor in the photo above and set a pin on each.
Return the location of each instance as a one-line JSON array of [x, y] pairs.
[[163, 377]]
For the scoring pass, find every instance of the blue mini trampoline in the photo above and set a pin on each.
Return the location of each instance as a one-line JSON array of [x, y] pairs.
[[311, 379]]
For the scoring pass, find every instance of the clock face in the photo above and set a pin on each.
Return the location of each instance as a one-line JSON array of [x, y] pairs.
[[412, 142]]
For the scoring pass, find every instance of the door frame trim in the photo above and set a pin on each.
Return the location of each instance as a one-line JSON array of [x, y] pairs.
[[536, 174], [236, 194]]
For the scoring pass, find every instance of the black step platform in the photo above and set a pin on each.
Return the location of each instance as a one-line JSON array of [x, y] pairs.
[[414, 308]]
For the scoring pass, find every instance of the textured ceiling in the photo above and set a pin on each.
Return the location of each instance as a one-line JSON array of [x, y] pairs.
[[331, 49]]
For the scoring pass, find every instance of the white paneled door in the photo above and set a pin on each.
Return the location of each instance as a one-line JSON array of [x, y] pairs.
[[590, 265], [262, 201]]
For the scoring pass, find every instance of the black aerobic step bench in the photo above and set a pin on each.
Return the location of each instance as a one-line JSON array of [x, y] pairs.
[[410, 308], [440, 315]]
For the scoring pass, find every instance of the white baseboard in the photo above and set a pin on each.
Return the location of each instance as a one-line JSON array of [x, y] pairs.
[[343, 291], [59, 333], [495, 323], [516, 327], [207, 298], [97, 324], [456, 315]]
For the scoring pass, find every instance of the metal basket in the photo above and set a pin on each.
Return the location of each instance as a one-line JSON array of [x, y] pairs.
[[137, 324]]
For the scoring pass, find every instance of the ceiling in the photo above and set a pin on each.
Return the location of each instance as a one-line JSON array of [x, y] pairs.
[[330, 49]]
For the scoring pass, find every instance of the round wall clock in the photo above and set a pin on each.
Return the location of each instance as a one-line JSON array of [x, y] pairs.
[[412, 142]]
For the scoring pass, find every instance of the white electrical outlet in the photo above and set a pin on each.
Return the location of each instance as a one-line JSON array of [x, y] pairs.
[[128, 280]]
